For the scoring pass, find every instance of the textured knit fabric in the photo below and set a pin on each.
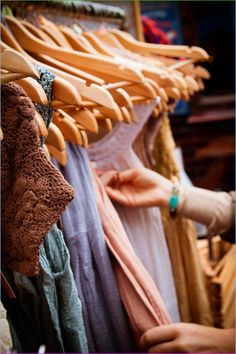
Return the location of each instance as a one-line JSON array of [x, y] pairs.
[[34, 193], [181, 238], [142, 225], [106, 324], [139, 294], [47, 309]]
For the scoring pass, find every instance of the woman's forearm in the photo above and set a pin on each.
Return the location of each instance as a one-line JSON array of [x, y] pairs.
[[213, 209]]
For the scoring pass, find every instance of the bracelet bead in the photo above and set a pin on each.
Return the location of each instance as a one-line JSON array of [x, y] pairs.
[[174, 198]]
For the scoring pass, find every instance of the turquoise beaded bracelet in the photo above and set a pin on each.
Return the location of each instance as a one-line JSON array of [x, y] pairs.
[[174, 199]]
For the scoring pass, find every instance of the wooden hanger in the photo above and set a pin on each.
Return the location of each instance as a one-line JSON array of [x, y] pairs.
[[155, 113], [140, 89], [166, 50], [192, 83], [143, 89], [109, 39], [45, 148], [126, 115], [62, 89], [84, 117], [98, 45], [8, 77], [105, 124], [173, 92], [185, 95], [43, 132], [37, 32], [33, 89], [114, 114], [188, 69], [77, 59], [52, 31], [67, 126], [83, 135], [125, 101], [77, 42], [178, 64], [200, 83], [17, 63], [93, 92], [60, 156], [56, 144]]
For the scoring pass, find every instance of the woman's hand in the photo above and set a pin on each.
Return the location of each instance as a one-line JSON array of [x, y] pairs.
[[138, 187], [187, 338]]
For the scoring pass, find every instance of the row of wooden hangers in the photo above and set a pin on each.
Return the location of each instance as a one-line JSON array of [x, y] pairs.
[[98, 76]]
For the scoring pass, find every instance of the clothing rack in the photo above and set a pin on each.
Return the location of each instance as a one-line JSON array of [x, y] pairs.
[[110, 259], [90, 15]]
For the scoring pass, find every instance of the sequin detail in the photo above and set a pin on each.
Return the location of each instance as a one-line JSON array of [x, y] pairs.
[[45, 80]]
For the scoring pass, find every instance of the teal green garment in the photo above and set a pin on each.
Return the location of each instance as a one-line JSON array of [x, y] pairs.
[[55, 307]]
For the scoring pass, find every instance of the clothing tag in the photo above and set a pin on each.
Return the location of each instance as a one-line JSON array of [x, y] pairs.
[[7, 287]]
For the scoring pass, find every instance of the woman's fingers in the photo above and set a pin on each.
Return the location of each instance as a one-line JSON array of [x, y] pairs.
[[117, 196], [109, 177], [157, 335]]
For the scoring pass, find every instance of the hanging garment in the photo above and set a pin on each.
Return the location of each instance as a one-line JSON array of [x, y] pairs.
[[34, 193], [144, 142], [47, 309], [106, 324], [181, 238], [142, 225], [139, 294]]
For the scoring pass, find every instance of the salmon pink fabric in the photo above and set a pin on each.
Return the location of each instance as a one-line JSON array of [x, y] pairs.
[[139, 294]]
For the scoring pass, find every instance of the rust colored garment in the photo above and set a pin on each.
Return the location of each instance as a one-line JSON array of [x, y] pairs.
[[34, 193], [142, 300], [180, 233]]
